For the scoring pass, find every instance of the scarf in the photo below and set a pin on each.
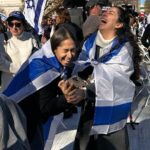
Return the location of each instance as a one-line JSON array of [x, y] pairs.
[[40, 70]]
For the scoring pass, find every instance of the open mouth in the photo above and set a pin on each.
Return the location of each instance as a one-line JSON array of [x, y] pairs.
[[103, 21]]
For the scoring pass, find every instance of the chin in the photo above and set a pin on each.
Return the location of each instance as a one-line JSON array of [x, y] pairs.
[[66, 64]]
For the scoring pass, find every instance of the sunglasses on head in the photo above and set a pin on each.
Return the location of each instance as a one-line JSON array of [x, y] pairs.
[[11, 24]]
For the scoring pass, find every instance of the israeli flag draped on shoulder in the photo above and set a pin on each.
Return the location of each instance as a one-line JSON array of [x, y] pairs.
[[33, 12], [114, 89], [40, 70]]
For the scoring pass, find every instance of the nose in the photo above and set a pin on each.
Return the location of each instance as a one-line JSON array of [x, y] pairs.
[[105, 12], [70, 54]]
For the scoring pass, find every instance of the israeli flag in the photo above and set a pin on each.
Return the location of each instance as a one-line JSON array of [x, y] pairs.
[[40, 70], [114, 89], [33, 12]]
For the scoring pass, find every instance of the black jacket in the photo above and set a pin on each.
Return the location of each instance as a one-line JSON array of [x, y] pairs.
[[39, 106]]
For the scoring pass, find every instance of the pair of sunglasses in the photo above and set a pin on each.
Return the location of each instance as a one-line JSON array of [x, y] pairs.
[[11, 24]]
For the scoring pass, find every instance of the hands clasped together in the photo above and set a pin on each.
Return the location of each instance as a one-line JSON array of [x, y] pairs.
[[72, 94]]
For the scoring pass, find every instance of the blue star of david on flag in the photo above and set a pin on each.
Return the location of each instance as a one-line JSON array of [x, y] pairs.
[[33, 12], [30, 3]]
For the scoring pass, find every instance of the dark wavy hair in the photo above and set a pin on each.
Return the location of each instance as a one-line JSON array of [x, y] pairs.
[[61, 34], [125, 33]]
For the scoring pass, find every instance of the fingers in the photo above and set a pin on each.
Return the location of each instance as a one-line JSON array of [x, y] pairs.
[[71, 94], [66, 86], [70, 87], [75, 96], [61, 83]]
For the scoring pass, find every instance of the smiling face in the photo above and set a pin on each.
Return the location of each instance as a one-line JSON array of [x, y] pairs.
[[65, 52], [109, 20], [15, 27]]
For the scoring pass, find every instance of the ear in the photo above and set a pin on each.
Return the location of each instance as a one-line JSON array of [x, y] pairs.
[[119, 25]]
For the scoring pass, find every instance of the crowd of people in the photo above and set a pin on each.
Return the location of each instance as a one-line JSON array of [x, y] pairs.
[[103, 53]]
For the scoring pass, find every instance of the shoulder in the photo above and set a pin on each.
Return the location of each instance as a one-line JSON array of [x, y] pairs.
[[126, 49]]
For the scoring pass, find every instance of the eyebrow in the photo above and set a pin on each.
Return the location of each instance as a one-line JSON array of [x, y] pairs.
[[70, 48], [16, 21]]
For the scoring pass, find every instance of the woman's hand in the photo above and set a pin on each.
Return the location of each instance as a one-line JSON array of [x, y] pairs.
[[76, 96], [71, 93], [66, 87]]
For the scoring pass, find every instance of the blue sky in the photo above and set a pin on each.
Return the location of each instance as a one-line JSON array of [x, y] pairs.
[[142, 1]]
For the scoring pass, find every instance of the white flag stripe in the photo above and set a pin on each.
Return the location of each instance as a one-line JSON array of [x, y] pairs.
[[33, 12]]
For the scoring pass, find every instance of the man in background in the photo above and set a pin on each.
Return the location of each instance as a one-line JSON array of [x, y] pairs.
[[94, 10]]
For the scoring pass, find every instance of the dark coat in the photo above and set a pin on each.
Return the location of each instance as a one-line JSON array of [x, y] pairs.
[[44, 103]]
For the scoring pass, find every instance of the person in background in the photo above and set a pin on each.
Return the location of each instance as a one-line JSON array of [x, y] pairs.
[[2, 26], [91, 24], [109, 63], [62, 16], [148, 18], [47, 22], [146, 38], [134, 25], [45, 36], [16, 47], [44, 22], [141, 25]]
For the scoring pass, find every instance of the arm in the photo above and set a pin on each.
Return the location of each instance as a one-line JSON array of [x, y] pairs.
[[76, 95], [51, 101]]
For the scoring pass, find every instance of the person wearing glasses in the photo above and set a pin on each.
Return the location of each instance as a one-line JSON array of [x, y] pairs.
[[16, 46]]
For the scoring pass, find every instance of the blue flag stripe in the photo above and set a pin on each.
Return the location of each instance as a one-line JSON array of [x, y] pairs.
[[33, 70], [111, 114], [89, 43], [37, 14]]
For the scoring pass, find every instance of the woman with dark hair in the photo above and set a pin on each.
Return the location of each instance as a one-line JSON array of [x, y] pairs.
[[110, 61], [63, 16], [38, 93]]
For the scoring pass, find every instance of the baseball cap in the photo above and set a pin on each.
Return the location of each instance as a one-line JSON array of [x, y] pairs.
[[16, 15]]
